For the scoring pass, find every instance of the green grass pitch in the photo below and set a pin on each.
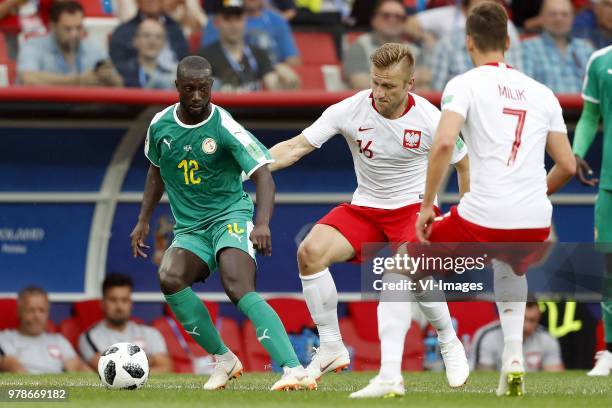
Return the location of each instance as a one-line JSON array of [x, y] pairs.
[[570, 389]]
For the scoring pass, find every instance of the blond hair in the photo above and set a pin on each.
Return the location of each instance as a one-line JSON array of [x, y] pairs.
[[390, 54]]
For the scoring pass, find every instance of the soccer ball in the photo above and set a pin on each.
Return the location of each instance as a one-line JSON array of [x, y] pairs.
[[123, 366]]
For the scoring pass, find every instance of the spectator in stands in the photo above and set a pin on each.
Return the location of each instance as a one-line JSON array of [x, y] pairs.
[[238, 66], [188, 13], [595, 23], [117, 327], [266, 29], [122, 45], [431, 25], [63, 57], [387, 24], [29, 349], [144, 71], [541, 350], [555, 58], [20, 17], [450, 56]]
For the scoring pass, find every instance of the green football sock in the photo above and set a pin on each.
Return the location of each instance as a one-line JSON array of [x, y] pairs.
[[606, 311], [193, 315], [269, 329]]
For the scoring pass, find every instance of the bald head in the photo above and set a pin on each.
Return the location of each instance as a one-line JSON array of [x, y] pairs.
[[194, 84], [193, 66]]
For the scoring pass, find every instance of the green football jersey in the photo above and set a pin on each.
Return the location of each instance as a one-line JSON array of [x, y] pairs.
[[201, 165], [598, 89]]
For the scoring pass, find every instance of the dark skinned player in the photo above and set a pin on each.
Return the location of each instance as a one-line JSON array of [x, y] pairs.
[[197, 153]]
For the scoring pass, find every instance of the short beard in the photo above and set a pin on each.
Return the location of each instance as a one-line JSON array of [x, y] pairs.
[[117, 322]]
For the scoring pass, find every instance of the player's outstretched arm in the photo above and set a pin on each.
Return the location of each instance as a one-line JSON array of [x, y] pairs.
[[440, 157], [261, 236], [559, 149], [154, 189], [463, 175], [288, 152], [583, 138]]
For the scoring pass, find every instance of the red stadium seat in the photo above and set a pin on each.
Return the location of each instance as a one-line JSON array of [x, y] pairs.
[[232, 336], [360, 332], [352, 36], [93, 8], [180, 358], [4, 57], [293, 313], [311, 77], [88, 312], [470, 317], [256, 357], [363, 314], [8, 317], [85, 314], [600, 341], [71, 330], [316, 48]]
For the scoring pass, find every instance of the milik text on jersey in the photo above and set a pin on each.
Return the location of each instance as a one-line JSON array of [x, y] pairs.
[[511, 94]]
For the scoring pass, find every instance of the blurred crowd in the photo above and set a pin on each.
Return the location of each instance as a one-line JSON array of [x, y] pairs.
[[34, 347], [251, 43], [31, 343]]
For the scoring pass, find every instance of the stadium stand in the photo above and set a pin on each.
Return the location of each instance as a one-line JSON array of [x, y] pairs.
[[311, 76], [85, 314], [471, 316], [316, 48]]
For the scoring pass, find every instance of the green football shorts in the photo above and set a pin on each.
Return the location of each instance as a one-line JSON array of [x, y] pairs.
[[206, 243]]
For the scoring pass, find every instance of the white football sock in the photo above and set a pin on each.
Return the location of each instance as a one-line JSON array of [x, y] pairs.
[[394, 320], [322, 299], [435, 309], [510, 296]]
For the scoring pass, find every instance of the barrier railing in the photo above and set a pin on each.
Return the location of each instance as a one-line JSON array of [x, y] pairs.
[[126, 96]]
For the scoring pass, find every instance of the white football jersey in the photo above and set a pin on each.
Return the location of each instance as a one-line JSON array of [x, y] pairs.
[[389, 155], [507, 120]]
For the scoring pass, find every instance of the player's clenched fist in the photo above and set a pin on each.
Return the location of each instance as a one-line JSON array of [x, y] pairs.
[[261, 237], [138, 235]]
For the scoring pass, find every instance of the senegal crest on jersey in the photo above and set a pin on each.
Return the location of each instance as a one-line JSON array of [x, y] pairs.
[[209, 146]]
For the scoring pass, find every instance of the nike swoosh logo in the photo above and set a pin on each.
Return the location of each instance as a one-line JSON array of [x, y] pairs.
[[231, 369], [327, 366], [361, 129]]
